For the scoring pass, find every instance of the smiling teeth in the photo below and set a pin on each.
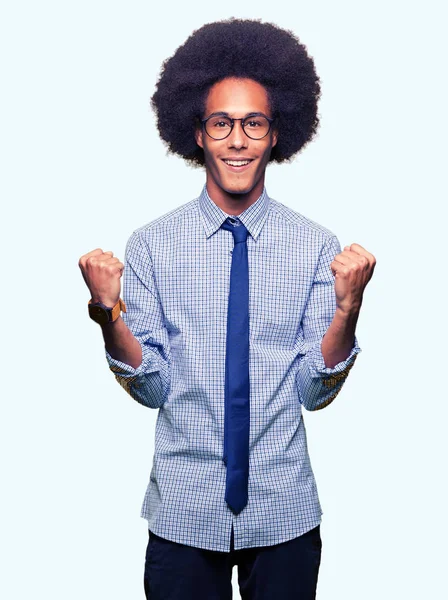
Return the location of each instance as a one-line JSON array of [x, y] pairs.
[[237, 163]]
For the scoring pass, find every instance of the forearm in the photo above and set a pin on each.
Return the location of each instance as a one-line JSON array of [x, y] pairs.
[[339, 337], [121, 343]]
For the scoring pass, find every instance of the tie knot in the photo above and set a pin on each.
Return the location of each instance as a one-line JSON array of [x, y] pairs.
[[239, 231]]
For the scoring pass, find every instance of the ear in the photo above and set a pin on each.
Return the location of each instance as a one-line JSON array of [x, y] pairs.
[[198, 136], [274, 137]]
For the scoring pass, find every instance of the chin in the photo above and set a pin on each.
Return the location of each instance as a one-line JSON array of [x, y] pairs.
[[238, 191], [239, 188]]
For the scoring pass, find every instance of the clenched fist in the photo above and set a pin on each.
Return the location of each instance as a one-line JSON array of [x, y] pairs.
[[102, 272], [352, 268]]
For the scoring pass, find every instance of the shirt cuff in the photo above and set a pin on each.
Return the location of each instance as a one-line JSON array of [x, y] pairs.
[[317, 362], [123, 369]]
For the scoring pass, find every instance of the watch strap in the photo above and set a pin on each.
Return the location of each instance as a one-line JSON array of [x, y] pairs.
[[120, 306]]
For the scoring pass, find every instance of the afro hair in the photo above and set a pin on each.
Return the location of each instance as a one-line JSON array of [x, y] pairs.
[[240, 48]]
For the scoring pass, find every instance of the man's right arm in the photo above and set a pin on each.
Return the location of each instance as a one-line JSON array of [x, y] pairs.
[[136, 344]]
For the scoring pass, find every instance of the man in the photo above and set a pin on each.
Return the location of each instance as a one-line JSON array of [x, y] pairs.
[[229, 335]]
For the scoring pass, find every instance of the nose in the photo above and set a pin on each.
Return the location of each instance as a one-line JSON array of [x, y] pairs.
[[237, 138]]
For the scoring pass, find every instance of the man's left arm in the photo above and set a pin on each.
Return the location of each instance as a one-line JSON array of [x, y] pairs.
[[329, 322]]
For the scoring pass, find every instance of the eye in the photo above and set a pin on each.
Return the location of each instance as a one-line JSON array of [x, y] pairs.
[[219, 123], [253, 123]]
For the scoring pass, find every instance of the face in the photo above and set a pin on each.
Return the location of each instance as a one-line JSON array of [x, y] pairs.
[[236, 186]]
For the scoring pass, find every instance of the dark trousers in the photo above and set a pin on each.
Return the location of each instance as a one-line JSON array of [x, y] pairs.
[[286, 571]]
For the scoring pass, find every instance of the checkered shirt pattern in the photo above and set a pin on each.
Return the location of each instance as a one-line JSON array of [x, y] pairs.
[[175, 285]]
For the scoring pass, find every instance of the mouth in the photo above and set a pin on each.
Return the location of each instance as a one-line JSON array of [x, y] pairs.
[[237, 165]]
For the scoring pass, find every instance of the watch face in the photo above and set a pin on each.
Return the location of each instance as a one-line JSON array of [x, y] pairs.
[[98, 314]]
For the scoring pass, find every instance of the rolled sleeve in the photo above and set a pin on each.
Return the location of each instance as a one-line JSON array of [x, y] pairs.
[[148, 384]]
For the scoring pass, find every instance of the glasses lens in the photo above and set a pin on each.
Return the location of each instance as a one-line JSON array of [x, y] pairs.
[[256, 127], [218, 127]]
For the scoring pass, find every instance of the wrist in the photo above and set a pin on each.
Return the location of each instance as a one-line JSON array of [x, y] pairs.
[[348, 311], [104, 301]]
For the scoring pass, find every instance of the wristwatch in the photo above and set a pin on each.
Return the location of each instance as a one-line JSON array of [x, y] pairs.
[[102, 314]]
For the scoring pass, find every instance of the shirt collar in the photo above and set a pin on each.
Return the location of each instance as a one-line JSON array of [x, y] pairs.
[[252, 218]]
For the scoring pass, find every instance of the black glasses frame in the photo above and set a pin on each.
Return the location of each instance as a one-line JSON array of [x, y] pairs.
[[232, 123]]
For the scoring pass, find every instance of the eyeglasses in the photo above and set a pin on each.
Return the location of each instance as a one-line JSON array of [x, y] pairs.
[[256, 126]]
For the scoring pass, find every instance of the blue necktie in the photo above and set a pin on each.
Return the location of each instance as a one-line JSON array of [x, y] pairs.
[[237, 407]]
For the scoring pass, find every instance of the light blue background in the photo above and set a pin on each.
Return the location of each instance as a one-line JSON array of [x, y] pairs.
[[82, 166]]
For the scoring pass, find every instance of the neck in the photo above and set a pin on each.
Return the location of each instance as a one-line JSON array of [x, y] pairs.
[[230, 203]]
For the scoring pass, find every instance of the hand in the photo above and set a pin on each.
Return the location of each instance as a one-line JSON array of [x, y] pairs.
[[352, 268], [102, 272]]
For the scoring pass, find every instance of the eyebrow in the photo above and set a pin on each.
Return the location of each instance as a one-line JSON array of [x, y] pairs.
[[226, 114]]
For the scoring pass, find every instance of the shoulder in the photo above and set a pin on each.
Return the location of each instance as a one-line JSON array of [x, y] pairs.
[[171, 218], [167, 223], [289, 217]]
